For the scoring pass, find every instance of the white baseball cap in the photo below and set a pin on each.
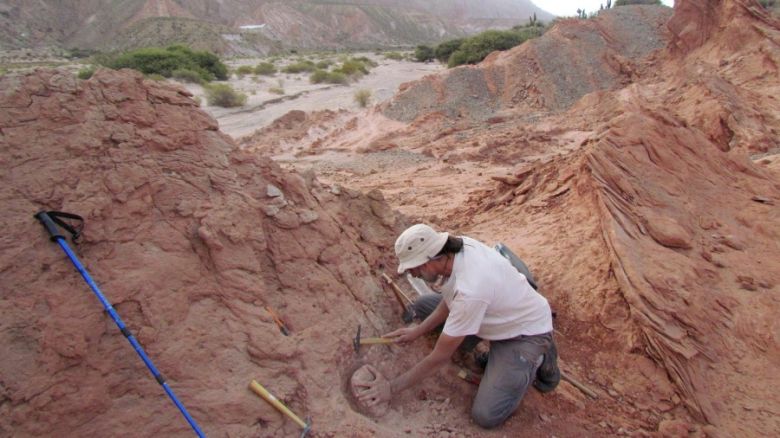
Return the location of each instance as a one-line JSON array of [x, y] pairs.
[[418, 244]]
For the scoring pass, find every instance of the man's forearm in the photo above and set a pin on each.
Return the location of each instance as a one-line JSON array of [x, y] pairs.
[[445, 346], [417, 373]]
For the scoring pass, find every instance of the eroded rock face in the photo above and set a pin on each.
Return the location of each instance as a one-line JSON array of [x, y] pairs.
[[190, 239]]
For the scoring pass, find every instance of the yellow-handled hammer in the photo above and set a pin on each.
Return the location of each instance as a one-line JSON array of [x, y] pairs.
[[267, 396], [358, 341]]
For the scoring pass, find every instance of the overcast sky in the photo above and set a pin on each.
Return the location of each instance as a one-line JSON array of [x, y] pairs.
[[569, 7]]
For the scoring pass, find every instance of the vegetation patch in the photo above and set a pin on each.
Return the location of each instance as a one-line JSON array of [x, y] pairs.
[[86, 72], [245, 70], [265, 69], [363, 97], [329, 77], [396, 56], [224, 95], [301, 66], [185, 75], [424, 53], [324, 64], [164, 61], [355, 67]]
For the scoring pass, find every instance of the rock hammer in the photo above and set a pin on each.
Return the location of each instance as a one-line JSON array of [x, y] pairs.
[[358, 341], [267, 396]]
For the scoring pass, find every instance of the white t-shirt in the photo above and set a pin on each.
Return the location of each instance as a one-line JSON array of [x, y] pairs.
[[488, 297]]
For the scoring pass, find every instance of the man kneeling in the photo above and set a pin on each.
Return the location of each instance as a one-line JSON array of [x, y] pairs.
[[482, 297]]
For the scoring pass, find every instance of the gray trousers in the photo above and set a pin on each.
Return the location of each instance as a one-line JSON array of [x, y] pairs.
[[512, 365]]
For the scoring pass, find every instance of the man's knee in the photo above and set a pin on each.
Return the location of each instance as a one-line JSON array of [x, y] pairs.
[[487, 418]]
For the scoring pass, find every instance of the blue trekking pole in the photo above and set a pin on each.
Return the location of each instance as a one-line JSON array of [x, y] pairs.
[[50, 220]]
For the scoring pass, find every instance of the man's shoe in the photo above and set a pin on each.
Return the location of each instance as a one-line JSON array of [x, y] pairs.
[[548, 375]]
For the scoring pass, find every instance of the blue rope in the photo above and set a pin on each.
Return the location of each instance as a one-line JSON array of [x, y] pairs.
[[115, 316]]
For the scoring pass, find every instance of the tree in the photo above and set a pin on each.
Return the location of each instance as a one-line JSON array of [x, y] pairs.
[[443, 51], [424, 53]]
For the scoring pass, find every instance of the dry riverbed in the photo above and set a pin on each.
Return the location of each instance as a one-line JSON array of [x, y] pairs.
[[265, 103]]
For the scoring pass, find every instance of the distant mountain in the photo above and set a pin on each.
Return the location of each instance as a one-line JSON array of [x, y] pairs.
[[252, 26]]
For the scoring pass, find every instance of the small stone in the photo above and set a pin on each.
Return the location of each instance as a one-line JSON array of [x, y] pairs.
[[673, 429], [273, 192], [746, 282], [308, 216]]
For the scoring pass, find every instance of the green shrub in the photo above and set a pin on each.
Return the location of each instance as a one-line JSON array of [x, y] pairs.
[[185, 75], [396, 56], [300, 67], [443, 51], [224, 95], [353, 67], [334, 77], [276, 90], [244, 70], [86, 72], [324, 64], [366, 61], [476, 48], [265, 69], [424, 53], [362, 97], [164, 62]]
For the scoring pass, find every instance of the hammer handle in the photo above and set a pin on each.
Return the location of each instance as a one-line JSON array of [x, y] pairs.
[[267, 396], [398, 292], [376, 341]]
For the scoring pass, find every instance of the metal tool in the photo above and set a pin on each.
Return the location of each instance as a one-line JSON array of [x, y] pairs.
[[358, 341], [579, 385], [267, 396], [50, 220], [278, 320]]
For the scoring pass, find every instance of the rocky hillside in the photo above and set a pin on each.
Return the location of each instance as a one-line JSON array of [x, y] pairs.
[[314, 24], [574, 58], [190, 240]]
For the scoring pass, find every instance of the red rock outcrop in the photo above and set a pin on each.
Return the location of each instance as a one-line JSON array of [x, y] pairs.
[[190, 239]]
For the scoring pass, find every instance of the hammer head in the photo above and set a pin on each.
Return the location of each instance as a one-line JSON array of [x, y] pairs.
[[356, 341], [306, 429]]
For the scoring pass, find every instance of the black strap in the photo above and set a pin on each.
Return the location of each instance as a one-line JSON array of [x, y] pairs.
[[75, 232]]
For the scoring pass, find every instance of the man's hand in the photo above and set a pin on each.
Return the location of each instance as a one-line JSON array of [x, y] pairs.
[[377, 391], [403, 334]]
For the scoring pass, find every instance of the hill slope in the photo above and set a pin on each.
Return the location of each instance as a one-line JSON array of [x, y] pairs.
[[319, 24]]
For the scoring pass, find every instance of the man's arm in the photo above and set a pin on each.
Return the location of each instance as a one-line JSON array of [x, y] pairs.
[[381, 391], [435, 319], [445, 347]]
